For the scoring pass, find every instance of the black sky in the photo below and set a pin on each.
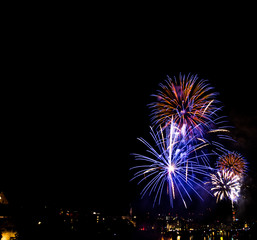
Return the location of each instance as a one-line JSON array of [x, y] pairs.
[[75, 98]]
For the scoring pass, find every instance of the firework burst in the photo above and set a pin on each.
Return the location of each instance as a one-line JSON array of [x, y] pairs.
[[171, 164], [189, 101], [186, 112], [232, 161], [225, 185]]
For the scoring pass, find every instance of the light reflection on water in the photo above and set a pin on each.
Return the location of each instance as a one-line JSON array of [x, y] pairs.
[[192, 237], [178, 238], [7, 235]]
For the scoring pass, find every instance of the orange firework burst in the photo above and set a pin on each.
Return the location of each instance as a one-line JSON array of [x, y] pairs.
[[189, 101], [233, 162]]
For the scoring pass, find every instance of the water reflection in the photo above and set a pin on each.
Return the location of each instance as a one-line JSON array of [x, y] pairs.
[[178, 238], [219, 235], [7, 235]]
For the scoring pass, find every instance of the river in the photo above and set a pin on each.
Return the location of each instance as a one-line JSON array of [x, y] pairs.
[[222, 235]]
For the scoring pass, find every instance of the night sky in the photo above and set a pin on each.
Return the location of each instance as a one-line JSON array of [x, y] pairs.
[[75, 100]]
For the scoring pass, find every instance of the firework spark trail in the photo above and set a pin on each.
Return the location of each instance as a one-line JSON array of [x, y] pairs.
[[190, 102], [225, 185], [173, 163], [232, 161]]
